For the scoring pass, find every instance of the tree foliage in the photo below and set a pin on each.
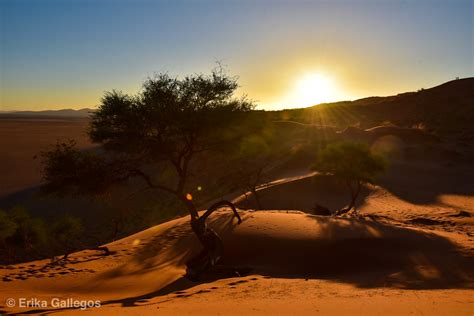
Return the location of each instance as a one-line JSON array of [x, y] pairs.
[[30, 232], [21, 233], [353, 163], [67, 170], [350, 161], [164, 127], [169, 121]]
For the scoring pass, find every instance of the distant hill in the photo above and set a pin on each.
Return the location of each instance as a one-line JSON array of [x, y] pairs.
[[446, 109], [82, 113]]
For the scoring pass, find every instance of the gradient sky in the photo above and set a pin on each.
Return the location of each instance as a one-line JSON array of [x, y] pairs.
[[65, 54]]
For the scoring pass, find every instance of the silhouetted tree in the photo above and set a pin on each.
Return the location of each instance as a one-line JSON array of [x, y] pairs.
[[167, 124], [353, 163], [254, 158]]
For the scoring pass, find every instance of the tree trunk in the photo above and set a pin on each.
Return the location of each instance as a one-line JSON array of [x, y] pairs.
[[190, 206], [213, 247], [354, 195], [257, 198]]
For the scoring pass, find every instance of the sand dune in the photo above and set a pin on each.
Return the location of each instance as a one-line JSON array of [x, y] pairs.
[[410, 252], [342, 256]]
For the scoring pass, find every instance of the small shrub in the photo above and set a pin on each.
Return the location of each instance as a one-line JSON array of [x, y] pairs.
[[353, 163]]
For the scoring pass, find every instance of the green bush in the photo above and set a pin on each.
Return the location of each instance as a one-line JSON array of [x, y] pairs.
[[31, 232], [353, 163]]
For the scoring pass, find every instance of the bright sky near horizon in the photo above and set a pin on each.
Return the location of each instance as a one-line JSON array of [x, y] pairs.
[[65, 54]]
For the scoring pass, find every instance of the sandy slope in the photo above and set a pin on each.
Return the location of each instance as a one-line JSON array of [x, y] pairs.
[[302, 263], [411, 252]]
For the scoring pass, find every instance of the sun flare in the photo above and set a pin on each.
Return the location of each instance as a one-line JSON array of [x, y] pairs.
[[312, 89]]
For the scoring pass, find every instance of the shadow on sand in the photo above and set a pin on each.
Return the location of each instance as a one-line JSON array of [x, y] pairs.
[[424, 184], [357, 251]]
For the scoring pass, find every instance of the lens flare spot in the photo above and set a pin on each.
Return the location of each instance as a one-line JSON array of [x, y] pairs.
[[189, 197]]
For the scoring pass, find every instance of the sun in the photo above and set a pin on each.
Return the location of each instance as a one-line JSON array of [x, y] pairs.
[[312, 89]]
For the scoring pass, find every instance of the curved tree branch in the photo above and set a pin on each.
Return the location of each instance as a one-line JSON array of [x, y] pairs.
[[216, 205], [150, 183]]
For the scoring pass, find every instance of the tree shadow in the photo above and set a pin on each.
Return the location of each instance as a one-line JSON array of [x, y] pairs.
[[361, 252]]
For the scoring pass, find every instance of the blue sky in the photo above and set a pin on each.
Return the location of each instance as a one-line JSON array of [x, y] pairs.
[[63, 54]]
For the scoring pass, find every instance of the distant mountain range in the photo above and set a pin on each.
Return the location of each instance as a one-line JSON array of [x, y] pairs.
[[82, 113]]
